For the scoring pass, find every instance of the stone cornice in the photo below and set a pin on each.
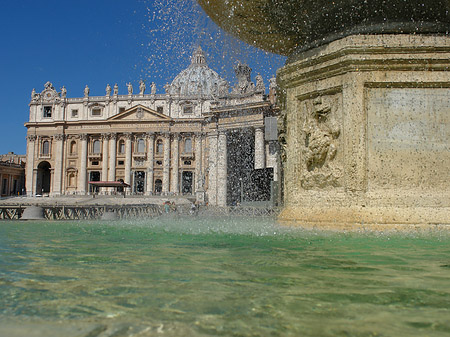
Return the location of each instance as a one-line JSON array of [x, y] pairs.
[[368, 54]]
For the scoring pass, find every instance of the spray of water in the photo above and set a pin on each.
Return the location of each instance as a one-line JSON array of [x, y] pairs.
[[174, 28]]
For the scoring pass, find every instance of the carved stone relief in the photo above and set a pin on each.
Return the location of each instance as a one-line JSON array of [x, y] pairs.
[[321, 133]]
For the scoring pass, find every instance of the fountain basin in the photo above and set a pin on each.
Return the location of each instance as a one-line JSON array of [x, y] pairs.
[[286, 26]]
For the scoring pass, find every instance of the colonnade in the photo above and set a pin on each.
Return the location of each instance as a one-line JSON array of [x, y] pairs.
[[162, 164]]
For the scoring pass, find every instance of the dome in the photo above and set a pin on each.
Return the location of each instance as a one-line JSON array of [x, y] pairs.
[[198, 79]]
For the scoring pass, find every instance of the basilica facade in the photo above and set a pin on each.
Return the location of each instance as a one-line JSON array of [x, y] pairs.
[[200, 138]]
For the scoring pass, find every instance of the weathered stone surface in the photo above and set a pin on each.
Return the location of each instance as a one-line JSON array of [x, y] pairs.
[[367, 131], [283, 26]]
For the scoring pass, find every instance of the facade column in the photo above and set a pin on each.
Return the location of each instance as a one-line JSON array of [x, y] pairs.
[[166, 164], [212, 169], [83, 164], [128, 137], [30, 178], [198, 162], [222, 169], [112, 157], [105, 140], [260, 149], [175, 163], [150, 162], [59, 158]]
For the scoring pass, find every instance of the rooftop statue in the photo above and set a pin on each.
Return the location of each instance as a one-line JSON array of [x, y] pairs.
[[108, 90], [86, 91], [141, 87]]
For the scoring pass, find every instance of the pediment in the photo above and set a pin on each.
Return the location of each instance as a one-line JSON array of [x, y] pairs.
[[140, 113]]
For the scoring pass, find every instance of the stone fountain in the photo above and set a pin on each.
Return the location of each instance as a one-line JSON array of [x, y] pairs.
[[366, 125]]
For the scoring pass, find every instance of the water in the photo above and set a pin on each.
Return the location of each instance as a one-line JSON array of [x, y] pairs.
[[225, 277]]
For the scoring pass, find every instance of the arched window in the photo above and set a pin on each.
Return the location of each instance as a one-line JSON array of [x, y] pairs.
[[159, 146], [188, 145], [140, 146], [73, 147], [121, 146], [45, 147], [96, 146]]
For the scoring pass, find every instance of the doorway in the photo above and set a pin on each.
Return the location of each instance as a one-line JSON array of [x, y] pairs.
[[43, 178], [158, 186], [139, 182], [94, 176], [186, 182]]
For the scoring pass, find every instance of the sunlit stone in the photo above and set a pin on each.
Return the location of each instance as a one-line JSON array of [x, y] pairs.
[[365, 132]]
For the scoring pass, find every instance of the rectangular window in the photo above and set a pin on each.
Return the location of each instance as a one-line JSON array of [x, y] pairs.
[[188, 109], [121, 162], [95, 163], [121, 110], [160, 109], [47, 111], [74, 113], [96, 112]]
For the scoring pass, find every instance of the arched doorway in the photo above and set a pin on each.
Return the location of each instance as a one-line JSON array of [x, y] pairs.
[[186, 182], [158, 186], [43, 178]]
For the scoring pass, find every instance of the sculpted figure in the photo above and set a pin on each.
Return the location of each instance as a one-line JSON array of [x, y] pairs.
[[116, 89], [63, 92], [272, 83], [260, 83], [153, 88], [167, 88], [130, 88], [141, 87], [33, 93], [108, 90], [86, 91], [321, 134]]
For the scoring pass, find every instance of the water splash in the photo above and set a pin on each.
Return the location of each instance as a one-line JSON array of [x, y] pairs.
[[174, 28]]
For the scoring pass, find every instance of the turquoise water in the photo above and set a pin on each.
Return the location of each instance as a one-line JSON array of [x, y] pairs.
[[226, 277]]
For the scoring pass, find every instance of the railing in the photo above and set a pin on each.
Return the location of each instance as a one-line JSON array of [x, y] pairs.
[[76, 212]]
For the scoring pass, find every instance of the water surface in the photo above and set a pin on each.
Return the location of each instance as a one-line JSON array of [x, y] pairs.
[[228, 277]]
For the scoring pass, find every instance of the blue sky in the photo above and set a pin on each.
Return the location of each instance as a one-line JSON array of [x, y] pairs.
[[96, 42]]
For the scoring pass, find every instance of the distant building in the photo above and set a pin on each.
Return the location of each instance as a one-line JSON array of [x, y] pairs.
[[197, 138], [12, 174]]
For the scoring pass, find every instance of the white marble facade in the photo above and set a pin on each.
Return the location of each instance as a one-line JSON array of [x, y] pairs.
[[159, 143]]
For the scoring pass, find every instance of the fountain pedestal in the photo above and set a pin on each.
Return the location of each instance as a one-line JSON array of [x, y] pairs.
[[367, 131]]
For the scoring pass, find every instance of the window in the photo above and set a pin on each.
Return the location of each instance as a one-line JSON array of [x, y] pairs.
[[188, 145], [46, 148], [159, 146], [159, 162], [74, 113], [121, 110], [96, 146], [141, 146], [160, 109], [73, 147], [121, 146], [47, 111], [96, 112], [121, 162], [187, 162], [188, 109], [95, 163]]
